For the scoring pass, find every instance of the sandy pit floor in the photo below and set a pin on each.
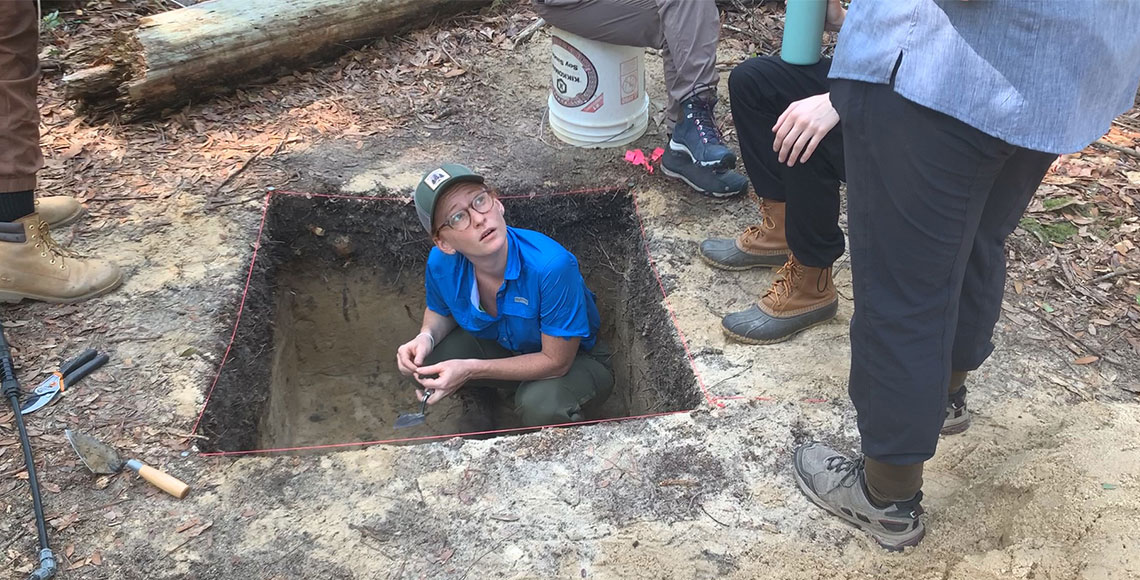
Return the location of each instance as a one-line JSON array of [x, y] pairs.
[[1044, 484]]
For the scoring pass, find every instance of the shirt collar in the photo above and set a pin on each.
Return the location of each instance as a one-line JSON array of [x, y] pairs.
[[514, 258]]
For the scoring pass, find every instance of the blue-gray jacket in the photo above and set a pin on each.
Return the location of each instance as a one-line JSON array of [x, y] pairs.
[[1048, 75]]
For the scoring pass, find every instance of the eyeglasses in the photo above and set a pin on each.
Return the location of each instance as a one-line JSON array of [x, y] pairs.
[[461, 219]]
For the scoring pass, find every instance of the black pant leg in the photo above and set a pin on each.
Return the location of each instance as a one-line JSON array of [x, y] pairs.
[[812, 222], [984, 284], [918, 185], [761, 89]]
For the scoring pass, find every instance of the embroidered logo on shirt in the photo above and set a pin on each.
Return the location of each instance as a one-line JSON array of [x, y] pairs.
[[521, 300], [436, 177]]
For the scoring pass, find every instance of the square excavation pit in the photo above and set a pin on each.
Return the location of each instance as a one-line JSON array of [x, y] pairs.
[[337, 286]]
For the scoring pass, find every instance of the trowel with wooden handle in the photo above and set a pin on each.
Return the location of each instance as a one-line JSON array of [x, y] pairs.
[[103, 459]]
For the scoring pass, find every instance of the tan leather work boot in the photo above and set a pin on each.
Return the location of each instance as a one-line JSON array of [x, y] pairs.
[[800, 298], [33, 265], [760, 246], [60, 210]]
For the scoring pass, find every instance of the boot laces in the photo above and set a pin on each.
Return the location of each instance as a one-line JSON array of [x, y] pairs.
[[701, 112], [767, 224], [786, 278], [849, 467], [49, 248]]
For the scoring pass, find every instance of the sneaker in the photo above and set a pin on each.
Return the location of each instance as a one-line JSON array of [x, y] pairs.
[[716, 183], [34, 266], [836, 483], [697, 136], [801, 297], [59, 211], [957, 414], [760, 246]]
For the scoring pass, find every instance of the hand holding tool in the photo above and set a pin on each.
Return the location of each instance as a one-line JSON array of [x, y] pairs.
[[103, 459]]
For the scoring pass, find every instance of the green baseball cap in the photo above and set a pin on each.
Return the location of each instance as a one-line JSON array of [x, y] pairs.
[[434, 183]]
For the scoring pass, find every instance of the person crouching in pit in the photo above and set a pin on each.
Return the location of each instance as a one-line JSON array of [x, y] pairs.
[[506, 308]]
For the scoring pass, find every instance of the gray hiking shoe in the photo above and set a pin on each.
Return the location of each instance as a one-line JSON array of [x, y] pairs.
[[835, 483], [957, 414]]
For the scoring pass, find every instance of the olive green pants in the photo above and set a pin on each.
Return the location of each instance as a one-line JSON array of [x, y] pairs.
[[589, 381]]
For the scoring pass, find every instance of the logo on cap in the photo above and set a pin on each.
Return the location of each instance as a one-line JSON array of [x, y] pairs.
[[436, 177]]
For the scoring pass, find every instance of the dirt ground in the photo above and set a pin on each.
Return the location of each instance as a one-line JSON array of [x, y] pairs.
[[1044, 484]]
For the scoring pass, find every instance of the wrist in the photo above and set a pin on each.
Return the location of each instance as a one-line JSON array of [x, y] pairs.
[[476, 369], [429, 336]]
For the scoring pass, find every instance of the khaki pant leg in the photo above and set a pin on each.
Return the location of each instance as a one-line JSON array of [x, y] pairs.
[[462, 344], [20, 156], [692, 30], [560, 400], [624, 22], [687, 32]]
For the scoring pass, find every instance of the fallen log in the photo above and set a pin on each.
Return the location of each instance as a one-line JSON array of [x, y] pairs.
[[183, 55]]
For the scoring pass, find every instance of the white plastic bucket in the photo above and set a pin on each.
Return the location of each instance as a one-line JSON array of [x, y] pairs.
[[597, 91]]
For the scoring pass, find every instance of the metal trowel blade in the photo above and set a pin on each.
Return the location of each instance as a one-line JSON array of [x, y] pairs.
[[406, 420], [97, 456]]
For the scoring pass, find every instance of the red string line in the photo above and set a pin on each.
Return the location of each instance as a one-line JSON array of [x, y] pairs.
[[444, 436], [712, 399], [336, 196], [585, 191], [241, 307], [709, 396]]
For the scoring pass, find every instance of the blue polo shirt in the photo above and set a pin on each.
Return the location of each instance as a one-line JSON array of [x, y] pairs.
[[542, 293]]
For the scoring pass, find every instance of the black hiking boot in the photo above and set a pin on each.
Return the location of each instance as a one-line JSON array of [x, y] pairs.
[[718, 183], [696, 135]]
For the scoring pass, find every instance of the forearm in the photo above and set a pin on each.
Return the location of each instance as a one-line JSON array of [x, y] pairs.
[[437, 325], [524, 367]]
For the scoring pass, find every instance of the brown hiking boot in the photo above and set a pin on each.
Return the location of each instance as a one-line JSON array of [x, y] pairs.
[[800, 298], [761, 246], [60, 210], [32, 265]]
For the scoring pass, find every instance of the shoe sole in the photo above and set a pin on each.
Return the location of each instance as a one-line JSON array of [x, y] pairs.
[[761, 341], [887, 544], [14, 297], [722, 266], [726, 163], [958, 428], [712, 194]]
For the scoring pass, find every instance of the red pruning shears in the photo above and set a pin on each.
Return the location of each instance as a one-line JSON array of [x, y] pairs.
[[67, 375]]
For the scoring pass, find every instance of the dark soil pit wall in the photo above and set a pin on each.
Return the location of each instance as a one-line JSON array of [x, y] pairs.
[[337, 286]]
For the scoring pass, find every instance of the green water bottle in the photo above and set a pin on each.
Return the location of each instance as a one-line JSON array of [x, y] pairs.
[[803, 31]]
